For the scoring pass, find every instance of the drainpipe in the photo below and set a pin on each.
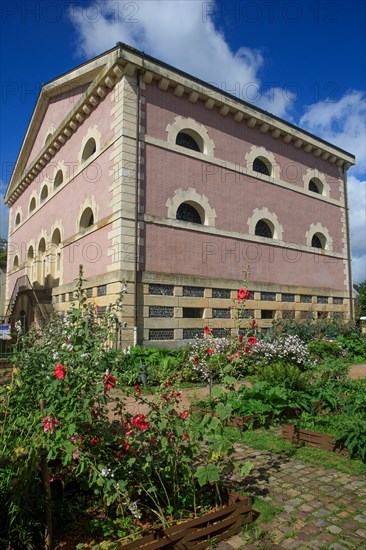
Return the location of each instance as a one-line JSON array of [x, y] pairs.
[[136, 255], [350, 288]]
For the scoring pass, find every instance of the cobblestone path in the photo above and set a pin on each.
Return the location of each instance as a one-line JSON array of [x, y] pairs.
[[319, 508]]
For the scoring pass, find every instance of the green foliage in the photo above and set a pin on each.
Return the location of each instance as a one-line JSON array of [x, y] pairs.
[[283, 374], [360, 302], [322, 349], [58, 403], [326, 329], [352, 431], [354, 344]]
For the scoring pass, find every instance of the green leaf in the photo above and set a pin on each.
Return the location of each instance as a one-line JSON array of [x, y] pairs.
[[246, 468], [207, 474]]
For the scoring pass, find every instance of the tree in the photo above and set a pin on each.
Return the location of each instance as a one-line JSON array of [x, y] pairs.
[[360, 302], [3, 252]]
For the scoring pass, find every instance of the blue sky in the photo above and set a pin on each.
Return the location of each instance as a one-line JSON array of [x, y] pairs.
[[303, 60]]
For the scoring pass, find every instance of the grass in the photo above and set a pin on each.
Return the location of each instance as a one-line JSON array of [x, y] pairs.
[[268, 440]]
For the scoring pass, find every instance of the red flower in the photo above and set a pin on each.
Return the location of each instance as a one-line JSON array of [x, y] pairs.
[[137, 389], [243, 294], [185, 436], [229, 307], [94, 440], [240, 338], [184, 415], [254, 322], [207, 330], [196, 360], [236, 354], [126, 445], [246, 349], [252, 340], [139, 422], [59, 371], [109, 381], [210, 351], [229, 358]]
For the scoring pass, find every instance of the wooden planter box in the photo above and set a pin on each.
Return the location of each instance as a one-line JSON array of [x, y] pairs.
[[193, 534], [312, 439], [236, 421]]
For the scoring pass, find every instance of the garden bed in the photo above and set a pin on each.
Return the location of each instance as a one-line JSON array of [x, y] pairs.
[[313, 439], [235, 421], [194, 534]]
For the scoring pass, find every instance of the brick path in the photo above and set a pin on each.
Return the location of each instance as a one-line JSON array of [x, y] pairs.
[[319, 508]]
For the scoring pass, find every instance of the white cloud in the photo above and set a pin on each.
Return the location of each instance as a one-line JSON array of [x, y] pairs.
[[181, 33], [341, 122], [357, 203]]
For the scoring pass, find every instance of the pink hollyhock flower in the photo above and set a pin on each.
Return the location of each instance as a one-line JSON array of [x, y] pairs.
[[207, 330], [236, 354], [184, 415], [252, 340], [59, 371], [75, 454], [49, 423], [229, 358], [139, 422]]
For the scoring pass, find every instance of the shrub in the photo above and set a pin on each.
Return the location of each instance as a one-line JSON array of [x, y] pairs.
[[287, 375], [321, 349], [290, 349]]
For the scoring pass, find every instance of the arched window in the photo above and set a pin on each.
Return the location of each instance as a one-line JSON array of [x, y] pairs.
[[30, 260], [16, 262], [89, 149], [316, 186], [87, 219], [41, 268], [262, 165], [44, 193], [17, 219], [32, 205], [59, 178], [318, 241], [55, 254], [264, 228], [188, 213], [185, 139]]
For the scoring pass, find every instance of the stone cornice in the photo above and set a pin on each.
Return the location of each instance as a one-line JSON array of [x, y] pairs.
[[124, 60]]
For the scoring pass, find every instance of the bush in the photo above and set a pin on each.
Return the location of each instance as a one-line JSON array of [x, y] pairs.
[[290, 349], [287, 375], [315, 330], [321, 349]]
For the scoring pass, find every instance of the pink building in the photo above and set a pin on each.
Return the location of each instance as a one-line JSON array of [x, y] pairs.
[[144, 174]]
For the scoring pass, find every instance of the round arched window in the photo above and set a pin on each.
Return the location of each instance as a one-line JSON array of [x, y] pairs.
[[318, 241], [263, 229], [316, 186], [87, 219], [44, 193], [186, 140], [262, 166], [17, 219], [59, 178], [89, 149], [32, 205], [187, 213]]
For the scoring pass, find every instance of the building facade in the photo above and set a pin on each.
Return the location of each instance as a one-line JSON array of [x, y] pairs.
[[146, 175]]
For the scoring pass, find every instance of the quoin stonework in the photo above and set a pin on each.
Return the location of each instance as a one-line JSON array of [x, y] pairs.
[[146, 175]]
